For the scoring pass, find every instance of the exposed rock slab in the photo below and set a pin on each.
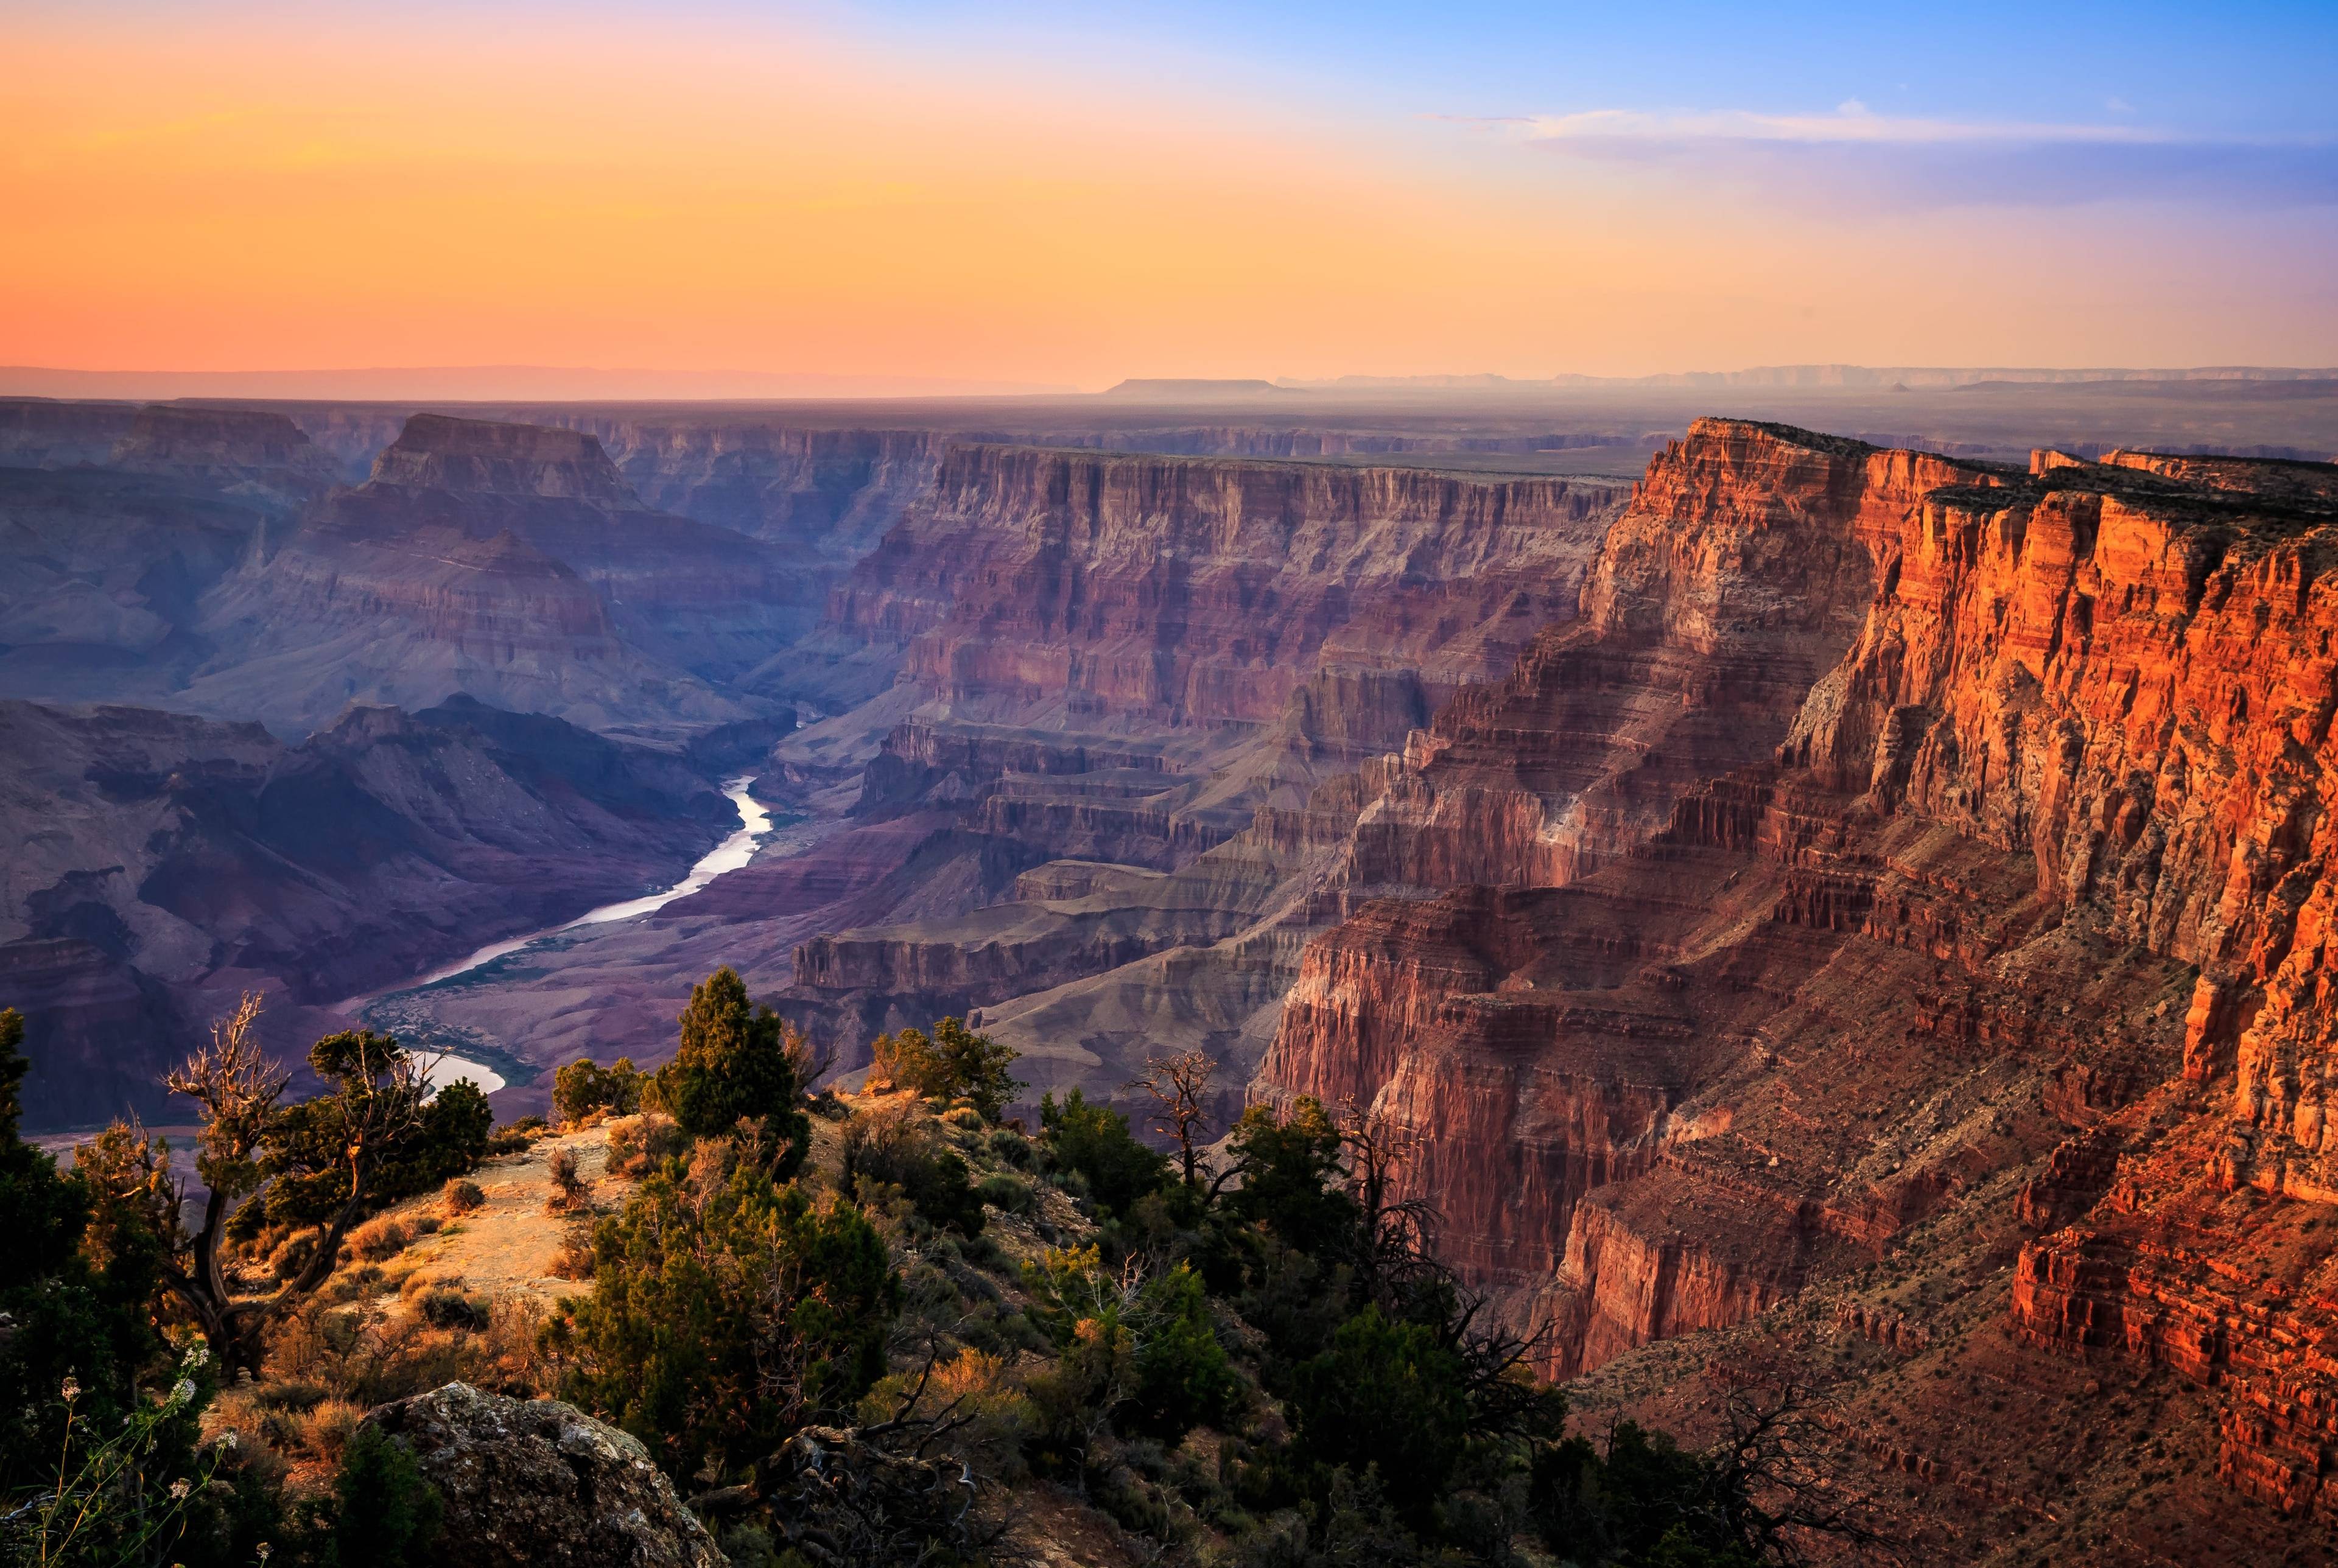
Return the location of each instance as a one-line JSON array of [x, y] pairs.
[[527, 1481]]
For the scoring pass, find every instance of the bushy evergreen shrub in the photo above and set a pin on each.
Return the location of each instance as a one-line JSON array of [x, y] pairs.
[[726, 1309], [1095, 1142]]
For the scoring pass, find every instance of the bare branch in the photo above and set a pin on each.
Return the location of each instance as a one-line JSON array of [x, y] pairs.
[[1180, 1086]]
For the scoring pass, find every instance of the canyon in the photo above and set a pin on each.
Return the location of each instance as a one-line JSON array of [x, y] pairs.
[[1101, 673], [158, 864], [1843, 911]]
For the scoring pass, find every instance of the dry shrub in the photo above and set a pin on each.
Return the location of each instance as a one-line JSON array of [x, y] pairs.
[[355, 1283], [291, 1255], [410, 1289], [461, 1196], [243, 1409], [455, 1309], [325, 1429], [575, 1259], [293, 1394], [973, 1384], [638, 1142], [368, 1356], [570, 1191], [508, 1354], [384, 1236]]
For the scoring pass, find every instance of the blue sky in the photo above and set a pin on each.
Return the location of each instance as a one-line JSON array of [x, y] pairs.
[[2224, 70], [2020, 104]]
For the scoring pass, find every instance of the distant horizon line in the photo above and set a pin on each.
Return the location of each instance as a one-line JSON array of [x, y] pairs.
[[512, 383]]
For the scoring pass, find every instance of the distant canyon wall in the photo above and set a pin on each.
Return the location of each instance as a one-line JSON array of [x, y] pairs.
[[1080, 587]]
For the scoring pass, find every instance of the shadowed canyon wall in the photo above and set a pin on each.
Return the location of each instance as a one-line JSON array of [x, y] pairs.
[[1145, 591]]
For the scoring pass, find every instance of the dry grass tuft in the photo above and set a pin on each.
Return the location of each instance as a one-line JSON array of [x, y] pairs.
[[638, 1142], [323, 1431], [575, 1259], [382, 1236]]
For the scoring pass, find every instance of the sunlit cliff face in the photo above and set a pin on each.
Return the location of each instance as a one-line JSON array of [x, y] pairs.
[[242, 188]]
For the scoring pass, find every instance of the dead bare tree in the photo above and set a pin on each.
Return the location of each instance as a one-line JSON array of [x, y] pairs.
[[1776, 1480], [811, 1063], [1397, 1268], [1180, 1086], [1396, 1240], [237, 1089]]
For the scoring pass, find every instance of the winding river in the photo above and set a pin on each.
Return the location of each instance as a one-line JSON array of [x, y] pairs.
[[730, 855]]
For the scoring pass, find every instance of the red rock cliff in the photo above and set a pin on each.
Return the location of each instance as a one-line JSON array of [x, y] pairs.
[[1886, 829]]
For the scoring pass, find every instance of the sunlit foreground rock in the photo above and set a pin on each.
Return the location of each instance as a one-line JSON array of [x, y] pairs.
[[534, 1480]]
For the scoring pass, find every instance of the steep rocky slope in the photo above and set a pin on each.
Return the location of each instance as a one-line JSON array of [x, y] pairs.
[[1012, 841], [156, 864], [1121, 661], [199, 558], [1046, 586], [1889, 921]]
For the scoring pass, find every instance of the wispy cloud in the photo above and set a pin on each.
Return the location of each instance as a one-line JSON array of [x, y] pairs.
[[1853, 156], [1851, 123]]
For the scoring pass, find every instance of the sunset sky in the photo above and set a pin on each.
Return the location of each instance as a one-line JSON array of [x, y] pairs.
[[1066, 195]]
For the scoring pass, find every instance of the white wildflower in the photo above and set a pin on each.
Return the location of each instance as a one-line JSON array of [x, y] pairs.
[[179, 1490], [72, 1390], [181, 1391]]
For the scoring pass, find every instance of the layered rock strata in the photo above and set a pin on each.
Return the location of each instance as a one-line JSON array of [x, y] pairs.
[[1045, 585], [116, 520], [1896, 849], [1129, 660]]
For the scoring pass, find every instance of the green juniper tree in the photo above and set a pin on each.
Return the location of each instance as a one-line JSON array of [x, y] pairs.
[[737, 1063]]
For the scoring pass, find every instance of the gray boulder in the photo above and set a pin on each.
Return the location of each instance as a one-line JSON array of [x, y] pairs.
[[536, 1482]]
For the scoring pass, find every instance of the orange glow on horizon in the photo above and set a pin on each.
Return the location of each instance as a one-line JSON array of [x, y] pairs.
[[315, 195]]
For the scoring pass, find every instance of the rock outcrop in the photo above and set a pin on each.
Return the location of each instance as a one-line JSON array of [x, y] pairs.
[[240, 449], [1125, 659], [116, 520], [828, 493], [527, 1481]]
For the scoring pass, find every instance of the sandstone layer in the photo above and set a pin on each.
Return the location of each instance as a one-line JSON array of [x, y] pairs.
[[1040, 585], [1124, 661], [116, 520]]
